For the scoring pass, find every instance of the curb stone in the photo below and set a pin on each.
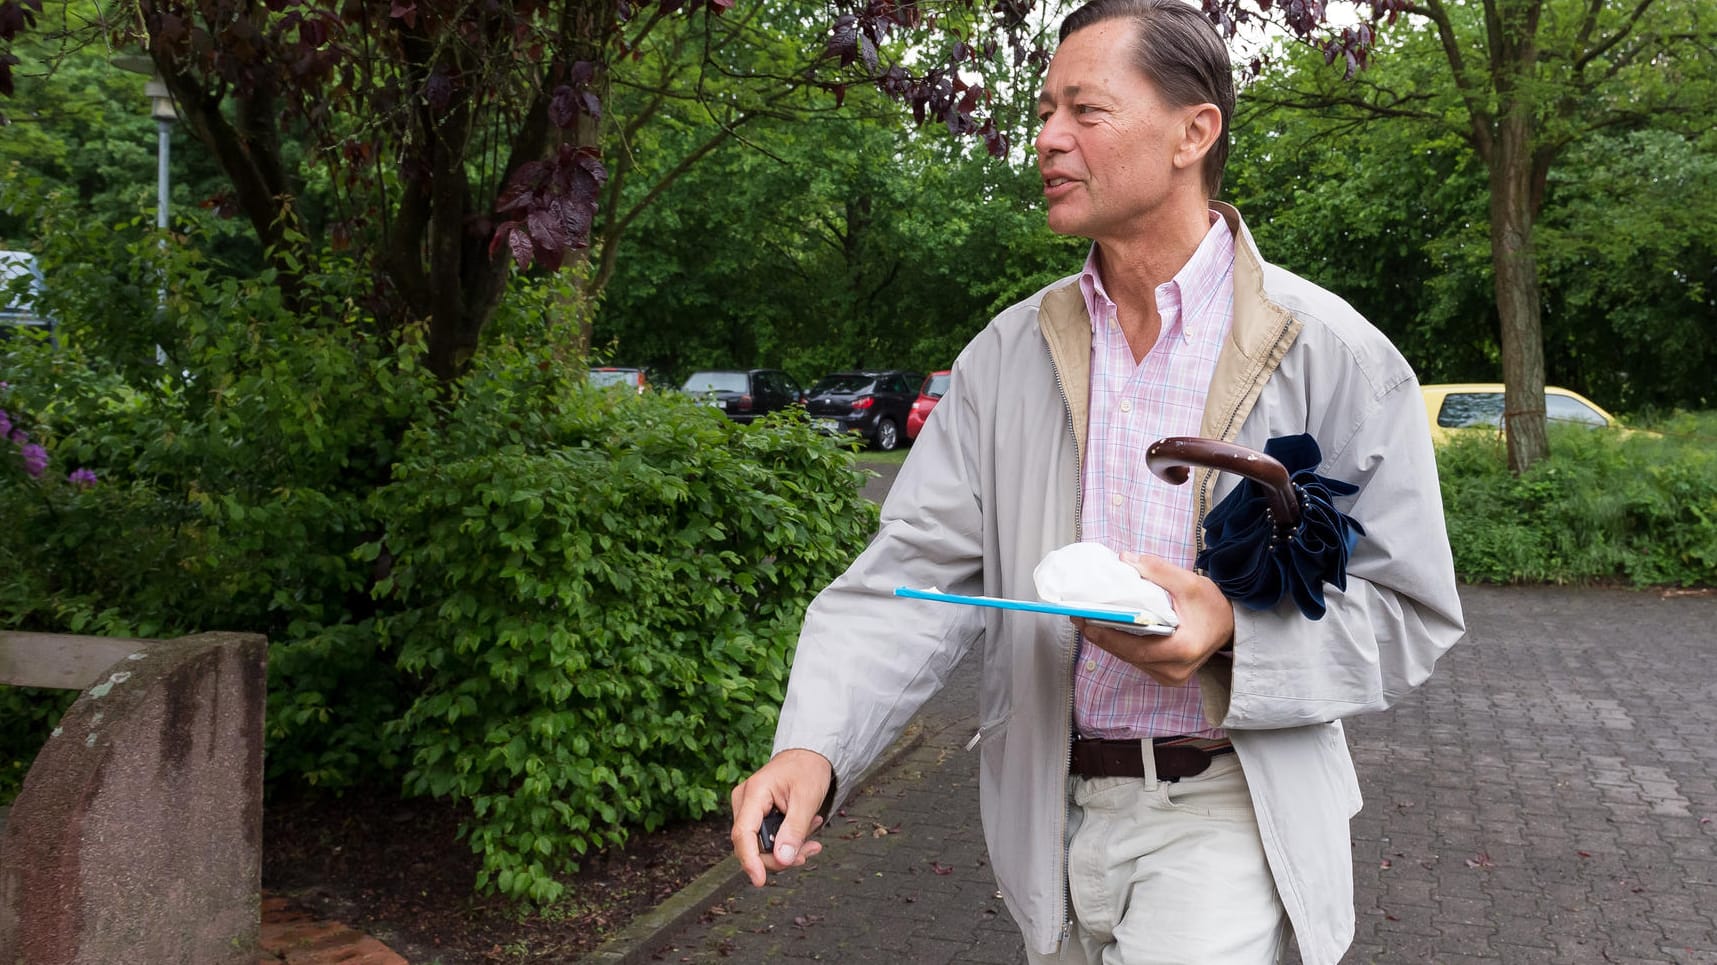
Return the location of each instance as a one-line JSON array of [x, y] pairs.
[[638, 941]]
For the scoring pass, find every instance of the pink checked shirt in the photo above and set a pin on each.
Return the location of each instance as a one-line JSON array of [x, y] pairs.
[[1125, 507]]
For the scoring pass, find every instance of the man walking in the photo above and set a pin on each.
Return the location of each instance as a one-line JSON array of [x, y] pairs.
[[1182, 798]]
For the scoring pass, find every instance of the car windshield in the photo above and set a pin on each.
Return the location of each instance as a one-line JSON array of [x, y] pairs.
[[1463, 409], [603, 377], [1560, 408], [842, 384], [936, 386], [715, 382]]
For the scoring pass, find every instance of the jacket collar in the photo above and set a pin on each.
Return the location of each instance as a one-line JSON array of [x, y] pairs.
[[1258, 339]]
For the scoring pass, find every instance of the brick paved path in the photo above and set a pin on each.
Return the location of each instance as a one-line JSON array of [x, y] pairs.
[[1548, 797], [291, 937]]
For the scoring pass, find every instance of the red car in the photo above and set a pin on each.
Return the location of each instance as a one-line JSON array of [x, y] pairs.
[[935, 386], [606, 375]]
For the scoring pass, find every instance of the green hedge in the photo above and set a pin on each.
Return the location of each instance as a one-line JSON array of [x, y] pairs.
[[603, 620], [1637, 508]]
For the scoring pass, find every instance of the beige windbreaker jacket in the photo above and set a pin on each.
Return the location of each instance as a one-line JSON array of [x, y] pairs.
[[993, 484]]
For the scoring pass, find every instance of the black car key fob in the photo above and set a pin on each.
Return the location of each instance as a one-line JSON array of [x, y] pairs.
[[766, 833]]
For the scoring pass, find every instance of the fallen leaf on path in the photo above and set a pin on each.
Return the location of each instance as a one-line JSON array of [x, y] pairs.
[[1481, 860], [941, 869]]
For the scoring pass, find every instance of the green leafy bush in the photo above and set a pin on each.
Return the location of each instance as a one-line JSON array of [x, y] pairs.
[[233, 480], [1637, 508], [602, 602]]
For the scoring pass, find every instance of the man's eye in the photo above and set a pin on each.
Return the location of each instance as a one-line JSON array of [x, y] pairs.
[[1084, 109]]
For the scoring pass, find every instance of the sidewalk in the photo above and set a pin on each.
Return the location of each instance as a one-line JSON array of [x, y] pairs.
[[1547, 798]]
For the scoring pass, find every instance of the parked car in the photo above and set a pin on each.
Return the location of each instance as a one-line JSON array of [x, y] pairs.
[[607, 375], [745, 394], [20, 290], [873, 404], [934, 387], [1478, 405]]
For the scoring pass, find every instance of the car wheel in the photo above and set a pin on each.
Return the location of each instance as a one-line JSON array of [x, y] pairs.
[[887, 435]]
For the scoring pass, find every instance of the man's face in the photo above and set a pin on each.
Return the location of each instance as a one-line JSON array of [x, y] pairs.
[[1109, 144]]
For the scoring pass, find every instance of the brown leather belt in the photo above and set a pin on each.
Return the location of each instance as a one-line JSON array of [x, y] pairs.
[[1125, 758]]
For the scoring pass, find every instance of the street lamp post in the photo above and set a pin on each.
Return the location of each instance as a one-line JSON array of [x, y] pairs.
[[160, 108]]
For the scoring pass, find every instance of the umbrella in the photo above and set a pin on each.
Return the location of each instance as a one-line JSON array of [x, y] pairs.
[[1278, 533]]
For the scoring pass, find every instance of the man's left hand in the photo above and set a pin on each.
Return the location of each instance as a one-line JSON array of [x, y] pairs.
[[1206, 624]]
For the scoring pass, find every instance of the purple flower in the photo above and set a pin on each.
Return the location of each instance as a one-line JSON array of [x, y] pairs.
[[20, 437], [5, 424], [81, 478], [35, 460]]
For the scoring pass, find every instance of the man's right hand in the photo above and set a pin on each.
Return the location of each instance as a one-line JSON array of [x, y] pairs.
[[795, 782]]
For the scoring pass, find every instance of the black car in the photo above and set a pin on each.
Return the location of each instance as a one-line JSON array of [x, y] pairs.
[[745, 394], [872, 404]]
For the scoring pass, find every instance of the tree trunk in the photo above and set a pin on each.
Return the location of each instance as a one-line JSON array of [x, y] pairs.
[[575, 300], [1513, 211]]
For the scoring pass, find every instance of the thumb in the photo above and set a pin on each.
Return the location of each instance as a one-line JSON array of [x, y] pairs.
[[1177, 580], [1150, 567], [795, 829]]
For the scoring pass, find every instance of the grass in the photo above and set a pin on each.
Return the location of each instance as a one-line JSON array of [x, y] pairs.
[[894, 458]]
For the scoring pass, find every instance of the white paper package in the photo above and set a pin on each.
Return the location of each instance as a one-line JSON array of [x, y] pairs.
[[1092, 575]]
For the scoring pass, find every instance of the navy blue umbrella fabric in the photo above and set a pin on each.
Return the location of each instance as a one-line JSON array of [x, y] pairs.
[[1254, 548]]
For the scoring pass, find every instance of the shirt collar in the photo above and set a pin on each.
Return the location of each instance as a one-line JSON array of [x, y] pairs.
[[1198, 278]]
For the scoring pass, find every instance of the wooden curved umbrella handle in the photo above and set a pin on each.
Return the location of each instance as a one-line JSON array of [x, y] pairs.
[[1170, 458]]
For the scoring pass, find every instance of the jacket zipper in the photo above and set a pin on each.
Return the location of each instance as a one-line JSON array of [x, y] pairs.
[[1072, 660]]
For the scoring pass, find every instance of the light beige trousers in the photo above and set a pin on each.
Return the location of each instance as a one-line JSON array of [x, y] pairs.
[[1169, 873]]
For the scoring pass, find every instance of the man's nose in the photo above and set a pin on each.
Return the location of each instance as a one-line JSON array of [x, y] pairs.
[[1051, 137]]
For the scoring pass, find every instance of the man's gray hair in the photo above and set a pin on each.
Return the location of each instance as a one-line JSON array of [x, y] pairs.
[[1181, 54]]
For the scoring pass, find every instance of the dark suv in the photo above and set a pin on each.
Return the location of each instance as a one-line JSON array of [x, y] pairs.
[[872, 404], [745, 394]]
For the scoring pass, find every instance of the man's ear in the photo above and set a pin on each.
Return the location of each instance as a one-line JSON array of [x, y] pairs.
[[1203, 126]]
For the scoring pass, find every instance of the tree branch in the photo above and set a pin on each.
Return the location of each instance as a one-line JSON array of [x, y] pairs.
[[1604, 45], [1479, 120]]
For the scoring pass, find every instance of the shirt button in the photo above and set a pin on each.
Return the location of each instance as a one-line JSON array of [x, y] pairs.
[[1126, 405], [1090, 665], [1116, 499]]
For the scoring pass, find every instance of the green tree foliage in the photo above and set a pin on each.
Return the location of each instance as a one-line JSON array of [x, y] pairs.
[[850, 243], [1392, 212], [1630, 267], [84, 130]]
